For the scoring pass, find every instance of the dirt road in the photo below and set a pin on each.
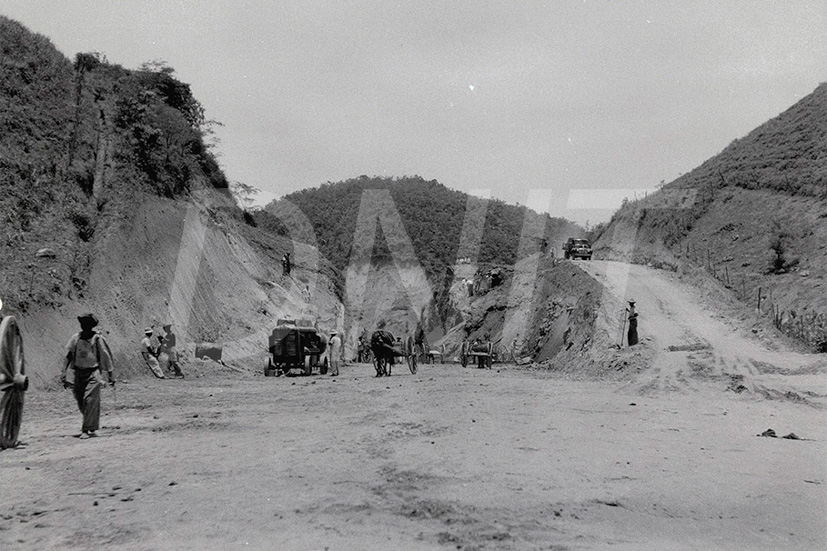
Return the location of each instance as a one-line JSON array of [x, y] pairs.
[[695, 343], [449, 458]]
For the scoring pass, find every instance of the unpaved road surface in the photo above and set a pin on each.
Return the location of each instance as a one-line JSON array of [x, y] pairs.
[[449, 458], [694, 342]]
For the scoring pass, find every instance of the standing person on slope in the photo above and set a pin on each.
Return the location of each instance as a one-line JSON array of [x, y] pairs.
[[632, 337], [88, 354]]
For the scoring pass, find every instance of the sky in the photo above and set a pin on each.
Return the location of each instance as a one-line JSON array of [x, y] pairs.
[[566, 106]]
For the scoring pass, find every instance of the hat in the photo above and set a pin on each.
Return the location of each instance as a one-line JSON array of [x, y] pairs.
[[148, 331], [166, 326], [90, 317], [334, 332]]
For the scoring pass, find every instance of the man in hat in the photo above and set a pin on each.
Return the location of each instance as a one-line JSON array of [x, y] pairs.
[[168, 344], [87, 353], [335, 353], [150, 353]]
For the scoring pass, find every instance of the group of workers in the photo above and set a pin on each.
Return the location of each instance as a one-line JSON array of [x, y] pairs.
[[153, 346]]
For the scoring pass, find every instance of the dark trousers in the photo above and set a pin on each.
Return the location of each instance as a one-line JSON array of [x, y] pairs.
[[87, 391]]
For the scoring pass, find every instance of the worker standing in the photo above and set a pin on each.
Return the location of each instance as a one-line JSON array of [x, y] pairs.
[[150, 353], [335, 353], [169, 347], [87, 353], [632, 335]]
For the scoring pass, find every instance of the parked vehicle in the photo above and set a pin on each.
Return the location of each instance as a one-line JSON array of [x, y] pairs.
[[577, 248], [296, 344]]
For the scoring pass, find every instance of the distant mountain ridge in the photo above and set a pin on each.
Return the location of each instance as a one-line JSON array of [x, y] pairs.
[[434, 218]]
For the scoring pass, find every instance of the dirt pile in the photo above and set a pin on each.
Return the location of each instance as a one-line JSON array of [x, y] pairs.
[[548, 312]]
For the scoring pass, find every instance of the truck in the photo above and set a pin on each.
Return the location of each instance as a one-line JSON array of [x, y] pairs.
[[575, 248], [296, 344]]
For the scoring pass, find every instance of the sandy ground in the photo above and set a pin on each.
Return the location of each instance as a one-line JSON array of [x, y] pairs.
[[449, 458]]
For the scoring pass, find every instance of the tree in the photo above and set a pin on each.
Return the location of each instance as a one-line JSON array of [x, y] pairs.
[[244, 195]]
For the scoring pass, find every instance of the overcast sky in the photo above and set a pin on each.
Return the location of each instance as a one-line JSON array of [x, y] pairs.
[[491, 97]]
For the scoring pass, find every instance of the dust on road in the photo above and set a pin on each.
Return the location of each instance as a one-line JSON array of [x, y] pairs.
[[449, 458]]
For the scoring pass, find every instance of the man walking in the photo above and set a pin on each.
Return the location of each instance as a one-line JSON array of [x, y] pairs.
[[88, 354], [150, 353], [335, 353]]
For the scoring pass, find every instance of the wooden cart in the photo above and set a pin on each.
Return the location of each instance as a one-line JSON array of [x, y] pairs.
[[480, 351], [384, 356]]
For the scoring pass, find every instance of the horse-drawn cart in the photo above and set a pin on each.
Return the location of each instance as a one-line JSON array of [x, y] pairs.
[[385, 350], [481, 351], [13, 381]]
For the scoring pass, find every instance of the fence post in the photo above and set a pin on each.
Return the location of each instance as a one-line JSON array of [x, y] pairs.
[[759, 300]]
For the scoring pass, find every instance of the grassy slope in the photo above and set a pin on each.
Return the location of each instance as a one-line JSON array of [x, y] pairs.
[[763, 195]]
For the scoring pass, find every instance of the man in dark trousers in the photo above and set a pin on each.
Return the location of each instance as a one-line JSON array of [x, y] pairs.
[[632, 335], [88, 355]]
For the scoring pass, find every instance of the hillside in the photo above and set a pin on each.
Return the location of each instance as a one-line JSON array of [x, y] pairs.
[[112, 202], [412, 224], [754, 216]]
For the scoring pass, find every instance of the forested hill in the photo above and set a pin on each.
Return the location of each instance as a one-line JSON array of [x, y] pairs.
[[80, 143], [432, 215]]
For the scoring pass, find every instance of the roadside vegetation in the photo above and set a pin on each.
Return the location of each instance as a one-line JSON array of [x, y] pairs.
[[78, 142]]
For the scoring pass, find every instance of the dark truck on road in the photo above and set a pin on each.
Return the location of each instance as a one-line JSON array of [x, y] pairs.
[[577, 248], [296, 344]]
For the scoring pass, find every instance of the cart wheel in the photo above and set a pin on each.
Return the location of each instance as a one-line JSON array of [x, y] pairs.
[[410, 354], [308, 366], [323, 367], [13, 382]]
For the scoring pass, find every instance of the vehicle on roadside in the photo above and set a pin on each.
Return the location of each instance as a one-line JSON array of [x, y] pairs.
[[577, 248], [296, 344]]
